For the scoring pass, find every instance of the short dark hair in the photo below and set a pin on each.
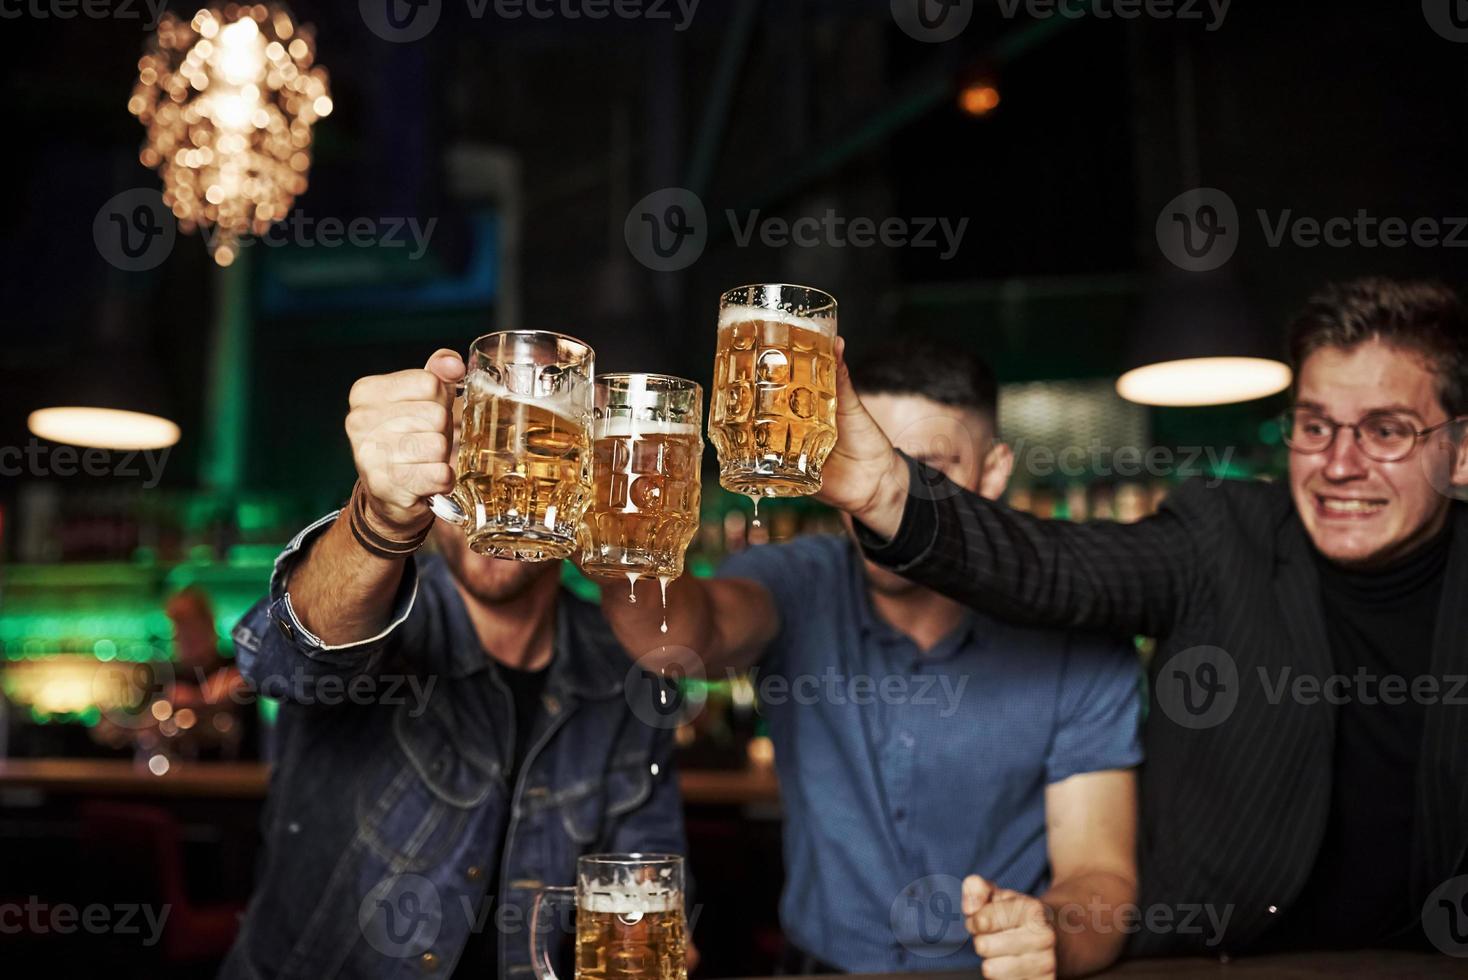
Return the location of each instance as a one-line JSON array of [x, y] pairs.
[[945, 373], [1426, 318]]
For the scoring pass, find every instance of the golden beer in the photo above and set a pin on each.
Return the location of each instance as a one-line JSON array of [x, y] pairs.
[[629, 919], [630, 945], [526, 463], [773, 417], [524, 460], [646, 455]]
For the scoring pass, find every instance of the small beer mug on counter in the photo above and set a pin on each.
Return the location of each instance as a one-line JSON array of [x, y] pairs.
[[524, 464], [630, 922]]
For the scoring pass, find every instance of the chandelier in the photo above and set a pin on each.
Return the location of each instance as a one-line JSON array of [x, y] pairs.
[[228, 99]]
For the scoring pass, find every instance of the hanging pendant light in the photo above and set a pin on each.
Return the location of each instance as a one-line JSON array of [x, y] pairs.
[[229, 98], [1199, 343]]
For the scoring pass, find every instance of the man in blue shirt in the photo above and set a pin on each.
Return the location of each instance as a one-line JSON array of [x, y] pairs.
[[918, 742]]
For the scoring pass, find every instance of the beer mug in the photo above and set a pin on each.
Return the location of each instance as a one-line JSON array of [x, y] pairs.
[[524, 465], [646, 448], [629, 919], [773, 417]]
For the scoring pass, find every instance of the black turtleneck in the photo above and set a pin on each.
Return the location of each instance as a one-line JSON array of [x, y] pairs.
[[1380, 625]]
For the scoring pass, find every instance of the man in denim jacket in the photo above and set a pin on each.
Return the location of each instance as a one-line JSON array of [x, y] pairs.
[[454, 730]]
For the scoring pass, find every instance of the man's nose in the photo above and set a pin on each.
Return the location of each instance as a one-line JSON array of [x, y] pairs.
[[1344, 459]]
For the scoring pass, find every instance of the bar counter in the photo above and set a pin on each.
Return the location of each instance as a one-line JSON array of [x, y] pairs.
[[1371, 963], [249, 780]]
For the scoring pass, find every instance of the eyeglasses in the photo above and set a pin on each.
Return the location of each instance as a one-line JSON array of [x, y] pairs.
[[1383, 436]]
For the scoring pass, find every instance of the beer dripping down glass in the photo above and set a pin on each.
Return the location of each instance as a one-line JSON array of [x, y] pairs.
[[524, 459], [773, 415], [630, 921], [647, 446]]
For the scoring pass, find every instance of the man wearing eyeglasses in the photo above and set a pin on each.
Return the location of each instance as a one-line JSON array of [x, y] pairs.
[[1306, 781]]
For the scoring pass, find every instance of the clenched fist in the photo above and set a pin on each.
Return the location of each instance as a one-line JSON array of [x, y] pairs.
[[1013, 932], [401, 429]]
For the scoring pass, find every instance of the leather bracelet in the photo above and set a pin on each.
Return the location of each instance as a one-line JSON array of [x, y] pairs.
[[373, 542]]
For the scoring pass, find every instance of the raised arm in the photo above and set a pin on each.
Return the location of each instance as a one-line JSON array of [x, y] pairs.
[[725, 622], [399, 426], [1121, 577]]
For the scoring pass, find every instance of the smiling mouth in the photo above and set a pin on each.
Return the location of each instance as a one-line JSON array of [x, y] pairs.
[[1347, 507]]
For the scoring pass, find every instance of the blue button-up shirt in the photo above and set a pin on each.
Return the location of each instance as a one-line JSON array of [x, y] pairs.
[[903, 770]]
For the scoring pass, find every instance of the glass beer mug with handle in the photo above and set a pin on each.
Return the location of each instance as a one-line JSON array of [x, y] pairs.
[[773, 417], [647, 446], [524, 463], [629, 919]]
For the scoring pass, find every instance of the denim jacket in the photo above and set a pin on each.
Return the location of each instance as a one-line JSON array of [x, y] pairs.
[[389, 800]]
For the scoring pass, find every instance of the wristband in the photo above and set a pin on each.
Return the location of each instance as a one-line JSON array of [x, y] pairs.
[[373, 542]]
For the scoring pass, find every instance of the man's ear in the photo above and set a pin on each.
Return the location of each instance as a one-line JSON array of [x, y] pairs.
[[1458, 472], [997, 467]]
